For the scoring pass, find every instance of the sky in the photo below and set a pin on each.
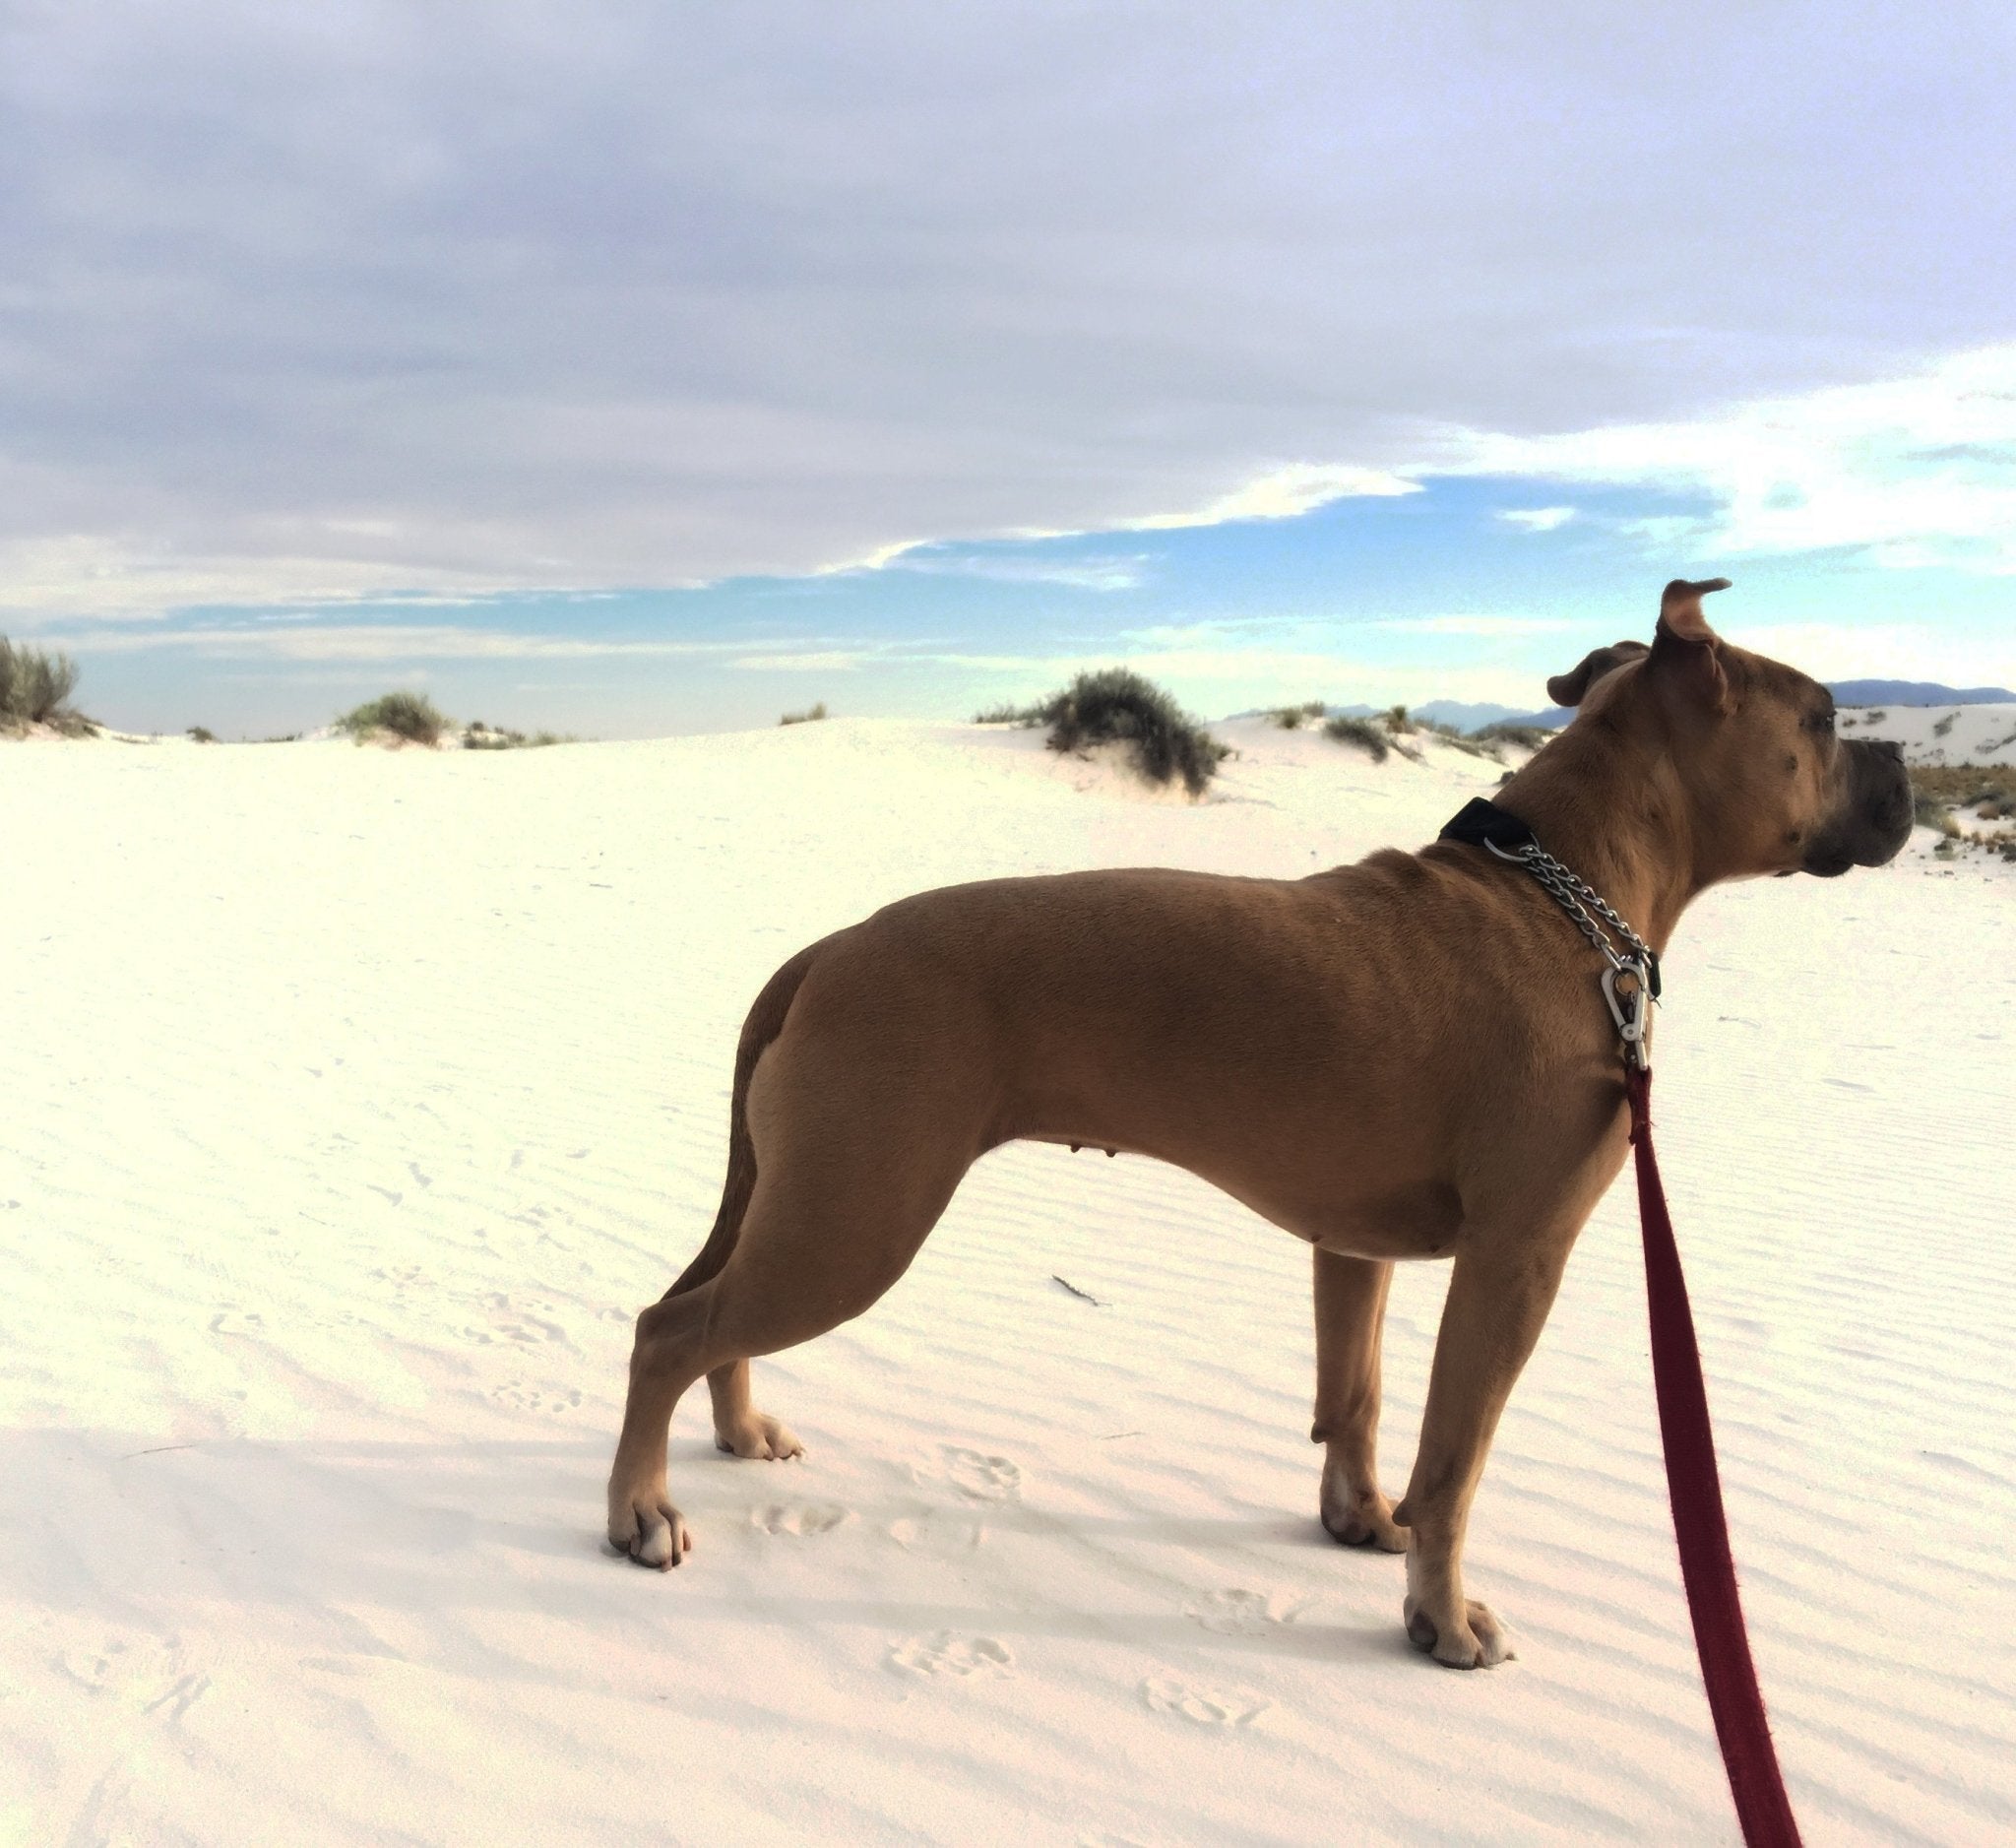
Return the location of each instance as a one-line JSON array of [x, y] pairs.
[[631, 369]]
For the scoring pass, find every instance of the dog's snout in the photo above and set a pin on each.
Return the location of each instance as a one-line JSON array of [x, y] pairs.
[[1877, 819]]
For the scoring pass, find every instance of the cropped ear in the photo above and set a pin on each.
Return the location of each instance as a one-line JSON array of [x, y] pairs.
[[1686, 653], [1570, 688], [1680, 608]]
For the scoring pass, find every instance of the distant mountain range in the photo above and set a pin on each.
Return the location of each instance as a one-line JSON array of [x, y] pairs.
[[1467, 715], [1916, 693]]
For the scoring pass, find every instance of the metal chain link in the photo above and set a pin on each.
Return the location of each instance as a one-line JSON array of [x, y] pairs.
[[1577, 897], [1631, 1009]]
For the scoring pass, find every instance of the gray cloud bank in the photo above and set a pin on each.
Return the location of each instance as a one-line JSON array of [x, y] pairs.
[[299, 300]]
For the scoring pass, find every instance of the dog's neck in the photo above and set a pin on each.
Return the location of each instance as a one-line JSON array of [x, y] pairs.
[[1608, 805]]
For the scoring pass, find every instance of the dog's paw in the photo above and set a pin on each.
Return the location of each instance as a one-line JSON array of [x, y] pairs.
[[650, 1530], [761, 1436], [1479, 1642], [1361, 1519]]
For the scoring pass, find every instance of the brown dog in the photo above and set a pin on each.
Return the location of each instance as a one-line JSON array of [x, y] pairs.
[[1408, 1058]]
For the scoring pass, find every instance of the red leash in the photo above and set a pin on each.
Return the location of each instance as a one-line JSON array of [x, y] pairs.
[[1694, 1486], [1630, 985]]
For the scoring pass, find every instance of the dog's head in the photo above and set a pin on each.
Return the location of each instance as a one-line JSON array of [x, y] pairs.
[[1768, 786]]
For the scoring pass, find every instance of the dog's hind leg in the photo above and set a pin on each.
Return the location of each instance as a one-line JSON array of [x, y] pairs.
[[855, 1157], [1350, 1309], [738, 1427], [669, 1355]]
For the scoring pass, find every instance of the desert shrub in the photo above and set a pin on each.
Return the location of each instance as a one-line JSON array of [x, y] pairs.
[[1458, 739], [1363, 732], [1009, 715], [1945, 724], [478, 736], [1293, 718], [1506, 732], [806, 717], [1936, 788], [1115, 704], [409, 715], [1396, 721], [35, 689], [1876, 717], [201, 734]]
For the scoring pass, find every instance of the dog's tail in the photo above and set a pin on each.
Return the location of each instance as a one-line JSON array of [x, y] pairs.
[[764, 1024]]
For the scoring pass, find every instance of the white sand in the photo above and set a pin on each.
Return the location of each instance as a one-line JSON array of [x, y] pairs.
[[354, 1101], [1939, 735]]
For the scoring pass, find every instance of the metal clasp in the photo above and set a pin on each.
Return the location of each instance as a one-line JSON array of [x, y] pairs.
[[1632, 1009]]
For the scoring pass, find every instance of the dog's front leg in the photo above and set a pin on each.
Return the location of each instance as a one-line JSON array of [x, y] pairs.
[[1499, 1301], [1351, 1310]]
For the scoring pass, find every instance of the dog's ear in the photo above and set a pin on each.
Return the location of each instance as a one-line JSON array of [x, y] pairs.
[[1685, 650], [1572, 687], [1680, 608]]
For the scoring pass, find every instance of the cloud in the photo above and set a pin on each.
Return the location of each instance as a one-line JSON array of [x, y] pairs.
[[1910, 472], [820, 660], [1482, 626], [1281, 495], [65, 576], [605, 295], [327, 641], [1904, 651], [1536, 519], [878, 558], [1120, 572]]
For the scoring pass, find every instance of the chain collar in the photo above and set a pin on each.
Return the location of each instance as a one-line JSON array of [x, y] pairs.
[[1630, 983]]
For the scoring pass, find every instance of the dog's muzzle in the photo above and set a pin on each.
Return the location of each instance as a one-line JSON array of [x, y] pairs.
[[1873, 821]]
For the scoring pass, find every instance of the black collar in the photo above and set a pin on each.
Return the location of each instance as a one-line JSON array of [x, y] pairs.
[[1482, 823]]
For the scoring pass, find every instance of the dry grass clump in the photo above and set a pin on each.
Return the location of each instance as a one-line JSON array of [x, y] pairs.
[[806, 717], [1459, 740], [478, 736], [1365, 734], [1008, 714], [1116, 705], [1506, 732], [1293, 718], [1384, 734], [1937, 788], [1938, 791], [35, 689], [409, 716], [201, 734]]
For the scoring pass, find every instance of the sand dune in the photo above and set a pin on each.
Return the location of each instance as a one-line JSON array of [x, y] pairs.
[[1939, 735], [354, 1101]]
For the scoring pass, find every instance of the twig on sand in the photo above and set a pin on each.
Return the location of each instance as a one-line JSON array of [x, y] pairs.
[[156, 1452], [1084, 1295]]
